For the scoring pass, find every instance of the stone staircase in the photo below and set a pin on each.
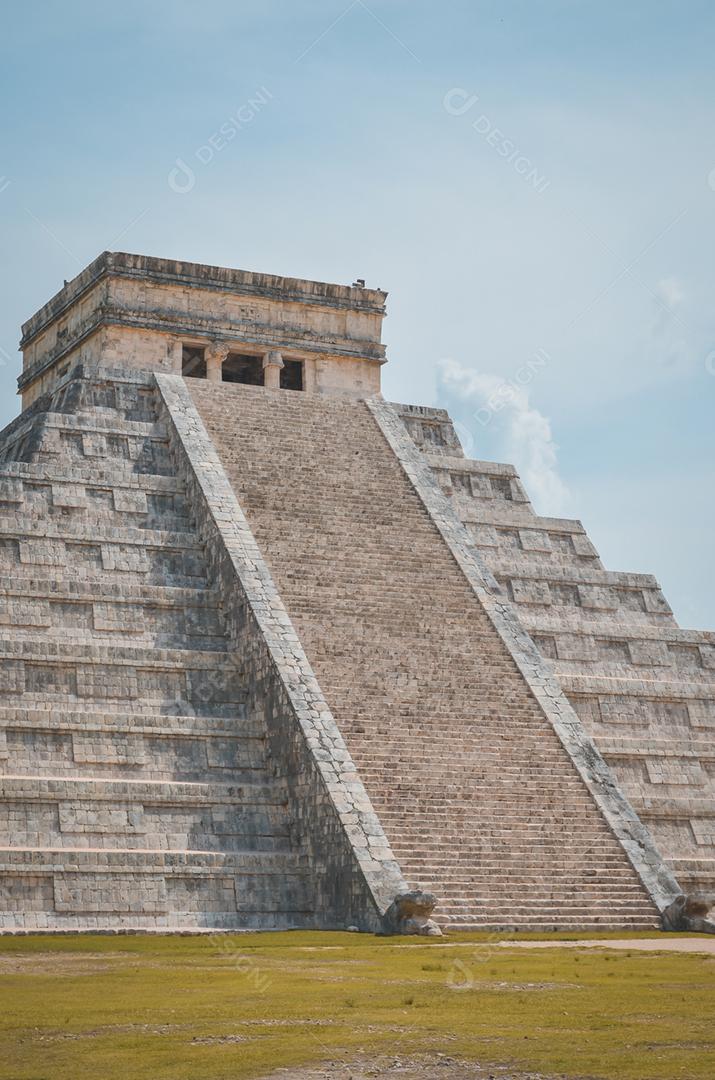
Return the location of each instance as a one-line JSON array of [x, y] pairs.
[[478, 798], [135, 786], [643, 687]]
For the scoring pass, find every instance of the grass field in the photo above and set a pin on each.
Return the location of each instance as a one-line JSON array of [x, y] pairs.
[[169, 1008]]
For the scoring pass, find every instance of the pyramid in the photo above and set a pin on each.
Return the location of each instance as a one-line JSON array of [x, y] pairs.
[[275, 653]]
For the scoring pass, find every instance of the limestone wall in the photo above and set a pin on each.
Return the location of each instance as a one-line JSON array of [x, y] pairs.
[[151, 778], [643, 687]]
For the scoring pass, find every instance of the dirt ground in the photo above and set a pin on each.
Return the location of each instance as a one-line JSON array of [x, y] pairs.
[[674, 943], [330, 1005], [440, 1067]]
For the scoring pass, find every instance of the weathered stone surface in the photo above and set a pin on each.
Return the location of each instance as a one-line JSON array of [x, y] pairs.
[[479, 802], [136, 312], [291, 659], [155, 774], [409, 913], [689, 914], [643, 688]]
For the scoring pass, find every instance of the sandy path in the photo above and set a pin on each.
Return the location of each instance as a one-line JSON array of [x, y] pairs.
[[442, 1068], [667, 943]]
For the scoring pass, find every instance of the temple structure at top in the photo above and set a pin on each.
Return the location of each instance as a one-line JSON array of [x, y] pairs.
[[207, 321]]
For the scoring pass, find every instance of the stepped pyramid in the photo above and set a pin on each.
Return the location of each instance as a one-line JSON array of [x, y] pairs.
[[274, 653]]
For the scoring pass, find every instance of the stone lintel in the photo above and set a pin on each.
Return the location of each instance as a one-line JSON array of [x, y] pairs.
[[200, 275]]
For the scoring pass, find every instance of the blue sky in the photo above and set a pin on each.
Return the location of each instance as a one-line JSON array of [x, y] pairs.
[[533, 182]]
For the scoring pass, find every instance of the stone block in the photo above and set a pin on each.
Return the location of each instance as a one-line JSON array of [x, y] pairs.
[[113, 618], [101, 818], [130, 559], [212, 895], [631, 599], [71, 496], [702, 713], [481, 487], [676, 771], [130, 501], [703, 831], [15, 611], [530, 592], [655, 602], [222, 753], [535, 540], [12, 677], [214, 687], [624, 711], [105, 682], [649, 653], [108, 748], [484, 536], [502, 487], [45, 679], [546, 644], [597, 597], [577, 647], [94, 445], [707, 656], [687, 658], [43, 552], [583, 546], [12, 490], [26, 893], [564, 594], [113, 894]]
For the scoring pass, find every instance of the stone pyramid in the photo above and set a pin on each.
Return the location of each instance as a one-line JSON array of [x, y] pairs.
[[276, 654]]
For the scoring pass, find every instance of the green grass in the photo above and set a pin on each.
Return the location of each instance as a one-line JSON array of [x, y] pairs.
[[169, 1008]]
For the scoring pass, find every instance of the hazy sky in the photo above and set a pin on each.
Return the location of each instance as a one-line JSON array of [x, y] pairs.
[[533, 182]]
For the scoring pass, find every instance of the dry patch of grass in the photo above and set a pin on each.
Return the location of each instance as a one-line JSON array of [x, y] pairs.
[[174, 1008]]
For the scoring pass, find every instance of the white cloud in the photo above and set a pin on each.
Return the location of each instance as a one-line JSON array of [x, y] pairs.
[[670, 354], [669, 292], [523, 434]]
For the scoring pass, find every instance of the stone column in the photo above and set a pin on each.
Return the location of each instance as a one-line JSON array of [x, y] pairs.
[[272, 364], [215, 354], [173, 354]]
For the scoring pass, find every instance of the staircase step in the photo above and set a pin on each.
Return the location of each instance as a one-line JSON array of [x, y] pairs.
[[457, 757]]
